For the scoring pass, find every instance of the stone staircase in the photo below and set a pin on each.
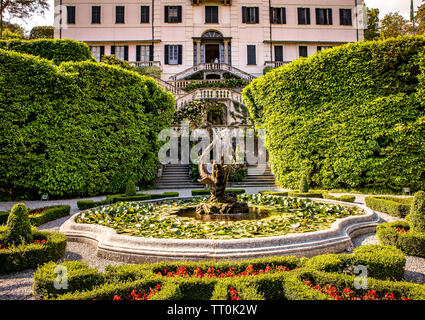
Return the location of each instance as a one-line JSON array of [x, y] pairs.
[[176, 176], [212, 67], [258, 176]]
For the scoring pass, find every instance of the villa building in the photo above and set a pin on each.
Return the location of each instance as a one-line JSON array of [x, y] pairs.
[[183, 37]]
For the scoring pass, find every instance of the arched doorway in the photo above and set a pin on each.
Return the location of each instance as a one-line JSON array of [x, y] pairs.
[[212, 47]]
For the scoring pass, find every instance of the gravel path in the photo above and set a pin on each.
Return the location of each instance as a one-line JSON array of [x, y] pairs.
[[18, 286]]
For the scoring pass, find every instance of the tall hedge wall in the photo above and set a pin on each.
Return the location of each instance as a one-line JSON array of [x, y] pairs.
[[79, 129], [56, 50], [352, 116]]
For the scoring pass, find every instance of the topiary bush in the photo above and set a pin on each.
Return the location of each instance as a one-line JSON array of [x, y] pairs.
[[57, 51], [80, 129], [416, 217], [18, 228], [352, 116], [130, 189], [304, 185]]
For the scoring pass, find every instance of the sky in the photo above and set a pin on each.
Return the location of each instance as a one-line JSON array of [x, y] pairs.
[[384, 6]]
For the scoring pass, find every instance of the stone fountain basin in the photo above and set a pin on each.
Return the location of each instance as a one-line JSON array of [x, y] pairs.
[[131, 249]]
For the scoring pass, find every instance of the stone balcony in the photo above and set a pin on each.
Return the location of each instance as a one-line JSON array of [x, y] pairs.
[[224, 2]]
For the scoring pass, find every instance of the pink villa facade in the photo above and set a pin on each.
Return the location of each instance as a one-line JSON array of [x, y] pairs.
[[240, 36]]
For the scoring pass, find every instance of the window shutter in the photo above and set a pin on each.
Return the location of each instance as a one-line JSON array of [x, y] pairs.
[[341, 16], [283, 15], [251, 54], [150, 52], [330, 16], [179, 13], [144, 14], [244, 14], [137, 53], [165, 13], [102, 52], [166, 47], [300, 16], [278, 53], [271, 14], [318, 20], [112, 49], [257, 15], [126, 53], [180, 54], [308, 15]]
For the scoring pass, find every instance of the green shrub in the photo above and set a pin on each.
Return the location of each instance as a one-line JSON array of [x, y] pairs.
[[350, 117], [202, 192], [343, 198], [304, 184], [130, 189], [410, 243], [48, 214], [56, 50], [18, 228], [275, 193], [305, 195], [22, 257], [79, 276], [102, 134], [169, 194], [390, 205], [382, 262], [295, 289], [416, 216]]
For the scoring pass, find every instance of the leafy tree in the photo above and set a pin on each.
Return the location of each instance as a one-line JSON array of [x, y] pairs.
[[420, 19], [13, 27], [42, 32], [7, 35], [394, 25], [21, 9], [372, 31]]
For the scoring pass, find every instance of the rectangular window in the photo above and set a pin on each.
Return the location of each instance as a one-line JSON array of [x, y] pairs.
[[304, 16], [250, 15], [278, 53], [320, 48], [144, 14], [119, 14], [173, 14], [121, 52], [229, 53], [70, 14], [173, 54], [97, 52], [195, 53], [251, 55], [211, 14], [278, 15], [95, 14], [143, 53], [323, 16], [303, 51], [345, 17]]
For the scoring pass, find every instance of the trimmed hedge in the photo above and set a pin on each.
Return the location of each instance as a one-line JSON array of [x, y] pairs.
[[390, 205], [57, 51], [297, 194], [343, 198], [410, 243], [88, 127], [51, 213], [203, 192], [295, 289], [87, 283], [349, 117], [30, 256], [88, 204]]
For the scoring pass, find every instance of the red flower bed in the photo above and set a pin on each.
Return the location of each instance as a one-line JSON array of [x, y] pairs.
[[216, 273], [141, 296], [401, 230], [234, 294], [348, 294], [4, 246]]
